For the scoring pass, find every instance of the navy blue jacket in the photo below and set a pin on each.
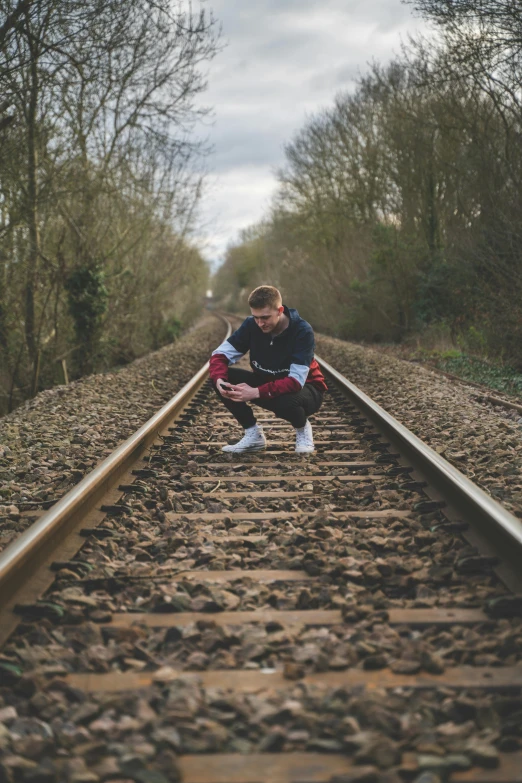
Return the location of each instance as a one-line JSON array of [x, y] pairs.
[[284, 361]]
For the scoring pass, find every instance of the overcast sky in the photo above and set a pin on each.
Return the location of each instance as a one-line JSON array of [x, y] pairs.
[[283, 60]]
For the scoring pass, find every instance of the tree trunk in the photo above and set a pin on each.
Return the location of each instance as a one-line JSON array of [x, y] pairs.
[[32, 212]]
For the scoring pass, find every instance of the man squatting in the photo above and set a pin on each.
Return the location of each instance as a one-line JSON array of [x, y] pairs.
[[285, 377]]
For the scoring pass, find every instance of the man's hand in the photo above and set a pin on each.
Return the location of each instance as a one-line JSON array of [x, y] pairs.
[[243, 393], [225, 392]]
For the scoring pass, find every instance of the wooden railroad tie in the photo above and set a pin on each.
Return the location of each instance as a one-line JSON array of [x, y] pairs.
[[247, 681], [240, 479]]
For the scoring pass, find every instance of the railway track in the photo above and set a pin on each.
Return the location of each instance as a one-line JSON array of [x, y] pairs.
[[185, 614]]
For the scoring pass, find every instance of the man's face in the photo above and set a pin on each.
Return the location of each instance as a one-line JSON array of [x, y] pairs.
[[267, 318]]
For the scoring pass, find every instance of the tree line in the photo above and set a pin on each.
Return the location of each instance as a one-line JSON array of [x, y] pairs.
[[398, 209], [100, 177]]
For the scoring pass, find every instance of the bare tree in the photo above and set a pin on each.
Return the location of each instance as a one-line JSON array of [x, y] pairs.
[[400, 204], [98, 172]]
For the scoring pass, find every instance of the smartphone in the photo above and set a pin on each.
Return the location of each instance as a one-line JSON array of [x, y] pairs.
[[226, 386]]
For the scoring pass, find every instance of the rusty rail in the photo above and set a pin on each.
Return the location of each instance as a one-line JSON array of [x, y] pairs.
[[34, 546], [501, 529]]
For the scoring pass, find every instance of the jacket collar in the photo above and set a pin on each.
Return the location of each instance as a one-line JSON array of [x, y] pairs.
[[293, 317]]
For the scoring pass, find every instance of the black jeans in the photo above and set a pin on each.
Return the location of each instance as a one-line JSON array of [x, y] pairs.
[[295, 408]]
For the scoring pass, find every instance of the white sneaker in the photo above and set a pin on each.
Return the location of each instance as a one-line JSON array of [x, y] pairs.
[[252, 440], [304, 440]]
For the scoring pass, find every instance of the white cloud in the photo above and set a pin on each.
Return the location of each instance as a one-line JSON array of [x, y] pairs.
[[235, 200], [285, 59]]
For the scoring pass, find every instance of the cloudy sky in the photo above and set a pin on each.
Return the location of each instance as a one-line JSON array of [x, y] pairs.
[[283, 61]]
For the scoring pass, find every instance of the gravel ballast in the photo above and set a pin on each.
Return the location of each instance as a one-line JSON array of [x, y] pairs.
[[150, 562], [140, 608], [51, 442], [483, 442]]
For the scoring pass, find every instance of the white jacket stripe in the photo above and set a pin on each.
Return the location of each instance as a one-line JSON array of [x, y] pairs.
[[228, 350], [299, 372]]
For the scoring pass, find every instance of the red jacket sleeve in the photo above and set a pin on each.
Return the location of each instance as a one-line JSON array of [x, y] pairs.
[[276, 388], [218, 367]]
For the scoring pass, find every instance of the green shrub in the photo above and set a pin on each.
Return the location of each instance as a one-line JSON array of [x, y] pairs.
[[169, 331]]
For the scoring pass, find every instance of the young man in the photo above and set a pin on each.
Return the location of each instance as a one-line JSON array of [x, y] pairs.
[[286, 378]]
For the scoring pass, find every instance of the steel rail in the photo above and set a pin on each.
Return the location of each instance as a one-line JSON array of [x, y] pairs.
[[501, 529], [22, 558]]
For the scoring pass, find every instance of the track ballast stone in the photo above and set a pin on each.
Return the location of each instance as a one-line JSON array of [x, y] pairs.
[[51, 442], [149, 557]]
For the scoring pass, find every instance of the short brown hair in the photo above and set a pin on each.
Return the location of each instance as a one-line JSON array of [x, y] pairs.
[[265, 296]]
